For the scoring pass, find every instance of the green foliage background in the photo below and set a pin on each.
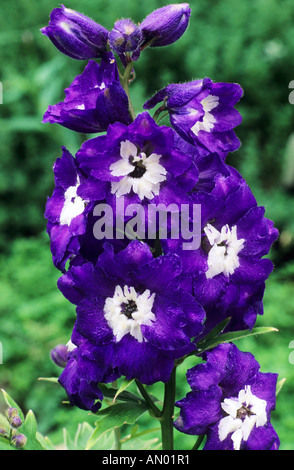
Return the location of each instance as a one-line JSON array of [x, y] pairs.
[[250, 42]]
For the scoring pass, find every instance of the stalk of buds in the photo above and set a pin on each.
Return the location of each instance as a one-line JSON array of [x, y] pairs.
[[10, 433]]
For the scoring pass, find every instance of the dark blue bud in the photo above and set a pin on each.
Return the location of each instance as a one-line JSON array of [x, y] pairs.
[[125, 37], [165, 25], [59, 355], [76, 35]]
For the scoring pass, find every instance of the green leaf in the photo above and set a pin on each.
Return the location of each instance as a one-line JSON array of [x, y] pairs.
[[216, 331], [45, 442], [233, 336], [3, 421], [81, 437], [49, 379], [110, 392], [30, 425], [280, 385], [135, 439], [126, 383], [83, 433], [68, 443], [115, 416], [148, 444], [29, 429], [11, 403], [4, 445]]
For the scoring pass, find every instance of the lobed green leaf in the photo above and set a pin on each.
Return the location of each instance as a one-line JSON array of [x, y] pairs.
[[115, 416], [233, 336]]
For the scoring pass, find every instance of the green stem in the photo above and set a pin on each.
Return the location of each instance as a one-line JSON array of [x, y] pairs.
[[158, 112], [125, 82], [198, 442], [153, 408], [162, 117], [10, 435], [168, 412], [117, 435], [117, 438]]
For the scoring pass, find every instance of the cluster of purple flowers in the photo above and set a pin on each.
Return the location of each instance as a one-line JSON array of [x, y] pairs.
[[143, 304]]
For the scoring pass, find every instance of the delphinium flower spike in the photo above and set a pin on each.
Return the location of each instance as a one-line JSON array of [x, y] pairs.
[[144, 299]]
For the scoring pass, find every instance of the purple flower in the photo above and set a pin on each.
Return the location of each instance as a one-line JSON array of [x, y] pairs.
[[125, 37], [132, 301], [203, 113], [138, 162], [230, 401], [94, 100], [209, 169], [165, 25], [229, 268], [87, 366], [81, 392], [66, 210], [76, 35]]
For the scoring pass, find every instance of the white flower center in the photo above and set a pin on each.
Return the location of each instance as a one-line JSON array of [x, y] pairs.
[[140, 173], [243, 413], [223, 256], [73, 205], [208, 120], [126, 311]]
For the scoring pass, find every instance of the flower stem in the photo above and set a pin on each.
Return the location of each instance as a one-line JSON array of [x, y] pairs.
[[153, 408], [168, 412], [125, 82], [117, 438], [198, 442]]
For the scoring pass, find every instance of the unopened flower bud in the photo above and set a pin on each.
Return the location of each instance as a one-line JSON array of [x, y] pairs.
[[76, 35], [11, 413], [125, 37], [16, 422], [3, 432], [165, 25], [59, 355], [19, 440]]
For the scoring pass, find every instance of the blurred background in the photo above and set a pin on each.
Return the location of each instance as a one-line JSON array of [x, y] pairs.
[[250, 42]]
